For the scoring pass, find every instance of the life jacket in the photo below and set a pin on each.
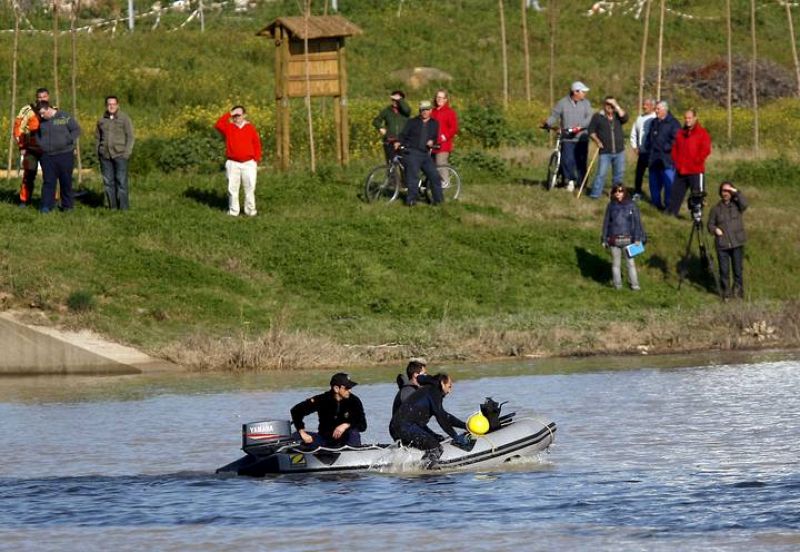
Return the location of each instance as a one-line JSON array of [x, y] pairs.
[[25, 124]]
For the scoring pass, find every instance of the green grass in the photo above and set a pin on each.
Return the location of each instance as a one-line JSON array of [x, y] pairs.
[[317, 259]]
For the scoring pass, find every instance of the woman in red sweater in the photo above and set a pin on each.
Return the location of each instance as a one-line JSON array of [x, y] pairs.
[[243, 151], [689, 153], [448, 128]]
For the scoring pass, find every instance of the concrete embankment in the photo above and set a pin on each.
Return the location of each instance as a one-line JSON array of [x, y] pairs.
[[27, 349]]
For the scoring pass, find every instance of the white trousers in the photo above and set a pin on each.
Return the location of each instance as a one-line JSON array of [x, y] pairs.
[[241, 174]]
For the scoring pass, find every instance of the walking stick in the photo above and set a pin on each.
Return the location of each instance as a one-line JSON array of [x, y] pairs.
[[588, 170]]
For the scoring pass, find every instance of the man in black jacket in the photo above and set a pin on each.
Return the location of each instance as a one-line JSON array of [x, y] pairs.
[[340, 412], [727, 224], [419, 136], [410, 422]]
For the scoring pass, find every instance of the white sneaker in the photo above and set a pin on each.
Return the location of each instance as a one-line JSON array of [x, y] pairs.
[[571, 186]]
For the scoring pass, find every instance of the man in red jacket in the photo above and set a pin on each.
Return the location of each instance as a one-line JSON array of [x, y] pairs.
[[689, 153], [243, 151]]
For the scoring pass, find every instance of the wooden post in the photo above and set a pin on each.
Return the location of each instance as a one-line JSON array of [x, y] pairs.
[[526, 50], [660, 49], [643, 55], [344, 120], [74, 79], [729, 96], [279, 76], [793, 41], [754, 75], [14, 63], [503, 51], [311, 150], [285, 133]]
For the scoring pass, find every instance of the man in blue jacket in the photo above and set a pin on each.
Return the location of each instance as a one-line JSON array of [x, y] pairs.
[[660, 138], [57, 135]]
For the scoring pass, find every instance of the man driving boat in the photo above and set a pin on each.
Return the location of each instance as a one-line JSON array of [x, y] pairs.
[[340, 412]]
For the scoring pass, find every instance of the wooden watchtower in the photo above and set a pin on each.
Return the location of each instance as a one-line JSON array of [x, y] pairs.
[[323, 73]]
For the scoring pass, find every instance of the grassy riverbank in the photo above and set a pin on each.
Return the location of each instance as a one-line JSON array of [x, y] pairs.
[[321, 278]]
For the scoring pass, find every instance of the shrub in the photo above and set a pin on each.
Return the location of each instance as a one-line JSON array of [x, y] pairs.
[[80, 301]]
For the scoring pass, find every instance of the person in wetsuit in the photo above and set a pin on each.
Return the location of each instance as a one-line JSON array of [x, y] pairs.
[[340, 412], [410, 422]]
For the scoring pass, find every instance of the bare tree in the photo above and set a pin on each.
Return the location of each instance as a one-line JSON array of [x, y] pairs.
[[55, 52], [793, 42], [754, 75], [729, 97], [76, 5], [552, 20], [14, 65], [503, 51], [660, 48], [643, 55], [526, 50]]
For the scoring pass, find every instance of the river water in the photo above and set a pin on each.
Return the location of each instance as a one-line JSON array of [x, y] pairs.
[[650, 454]]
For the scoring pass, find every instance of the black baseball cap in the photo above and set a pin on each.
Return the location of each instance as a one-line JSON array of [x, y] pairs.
[[343, 380]]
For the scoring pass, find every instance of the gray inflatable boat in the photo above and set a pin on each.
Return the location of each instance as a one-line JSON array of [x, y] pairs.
[[270, 447]]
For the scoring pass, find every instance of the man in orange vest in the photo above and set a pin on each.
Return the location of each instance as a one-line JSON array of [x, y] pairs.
[[26, 123]]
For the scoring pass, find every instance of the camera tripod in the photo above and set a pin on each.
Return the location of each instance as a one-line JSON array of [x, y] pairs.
[[706, 260]]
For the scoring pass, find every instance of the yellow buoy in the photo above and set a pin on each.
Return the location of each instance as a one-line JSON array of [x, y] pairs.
[[478, 424]]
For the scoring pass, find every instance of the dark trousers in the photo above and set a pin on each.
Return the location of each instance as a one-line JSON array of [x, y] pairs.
[[388, 150], [726, 258], [415, 161], [115, 182], [573, 160], [680, 185], [57, 167], [350, 438], [421, 437], [642, 160]]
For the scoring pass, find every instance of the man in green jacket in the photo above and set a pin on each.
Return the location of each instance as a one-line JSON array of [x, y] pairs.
[[114, 137], [391, 120], [727, 224]]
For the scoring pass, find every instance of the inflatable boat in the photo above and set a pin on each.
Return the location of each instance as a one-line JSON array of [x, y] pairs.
[[271, 447]]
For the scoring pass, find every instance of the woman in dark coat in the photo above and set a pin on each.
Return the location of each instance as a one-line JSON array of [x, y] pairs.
[[622, 226]]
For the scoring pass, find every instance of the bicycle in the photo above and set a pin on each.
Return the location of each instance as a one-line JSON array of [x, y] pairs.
[[386, 182], [555, 176]]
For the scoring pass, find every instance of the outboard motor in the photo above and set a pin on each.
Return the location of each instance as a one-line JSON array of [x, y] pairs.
[[261, 438]]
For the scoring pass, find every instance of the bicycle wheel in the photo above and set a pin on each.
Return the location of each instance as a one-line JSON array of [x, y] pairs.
[[451, 182], [382, 184], [552, 170]]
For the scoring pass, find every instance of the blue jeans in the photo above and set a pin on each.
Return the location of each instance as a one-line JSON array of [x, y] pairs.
[[115, 181], [573, 159], [661, 179], [57, 167], [617, 163]]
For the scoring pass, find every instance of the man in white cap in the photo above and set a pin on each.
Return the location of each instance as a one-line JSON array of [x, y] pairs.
[[572, 114]]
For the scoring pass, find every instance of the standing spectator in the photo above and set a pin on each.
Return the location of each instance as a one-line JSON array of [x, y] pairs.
[[114, 136], [638, 135], [26, 123], [448, 128], [57, 135], [572, 114], [419, 136], [726, 222], [660, 138], [391, 120], [692, 148], [243, 151], [605, 129], [622, 226]]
